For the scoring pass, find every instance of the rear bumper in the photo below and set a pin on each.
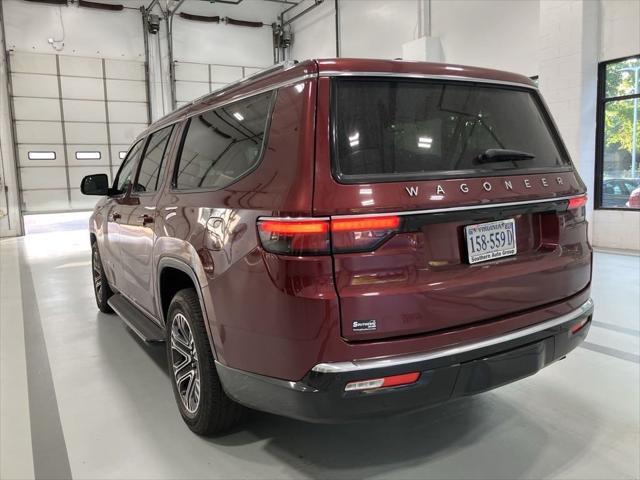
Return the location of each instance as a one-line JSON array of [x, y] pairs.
[[444, 375]]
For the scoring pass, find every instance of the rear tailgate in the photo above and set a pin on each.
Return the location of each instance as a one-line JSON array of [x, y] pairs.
[[420, 278]]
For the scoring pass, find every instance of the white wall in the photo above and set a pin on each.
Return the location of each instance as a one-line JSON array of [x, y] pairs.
[[619, 37]]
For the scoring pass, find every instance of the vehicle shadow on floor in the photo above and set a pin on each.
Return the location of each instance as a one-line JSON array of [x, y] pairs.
[[484, 436]]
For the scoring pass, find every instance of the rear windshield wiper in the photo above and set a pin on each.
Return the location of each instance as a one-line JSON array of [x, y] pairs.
[[502, 155]]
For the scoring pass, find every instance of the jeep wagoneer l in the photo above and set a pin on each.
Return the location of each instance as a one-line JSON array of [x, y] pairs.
[[338, 239]]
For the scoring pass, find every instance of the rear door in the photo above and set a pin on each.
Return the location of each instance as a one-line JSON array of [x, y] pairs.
[[137, 227], [449, 204]]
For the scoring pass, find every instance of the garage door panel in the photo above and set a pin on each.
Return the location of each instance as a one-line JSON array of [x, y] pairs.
[[124, 70], [224, 74], [83, 202], [33, 63], [39, 151], [76, 174], [124, 133], [126, 90], [43, 177], [117, 152], [87, 155], [128, 112], [86, 133], [82, 88], [45, 201], [194, 72], [28, 131], [32, 85], [84, 111], [80, 66], [186, 91], [27, 108]]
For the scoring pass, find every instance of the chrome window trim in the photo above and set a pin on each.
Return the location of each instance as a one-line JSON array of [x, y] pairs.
[[456, 78], [459, 209], [372, 363]]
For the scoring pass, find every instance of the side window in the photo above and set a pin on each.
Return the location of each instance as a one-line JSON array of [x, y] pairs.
[[149, 174], [123, 179], [223, 144]]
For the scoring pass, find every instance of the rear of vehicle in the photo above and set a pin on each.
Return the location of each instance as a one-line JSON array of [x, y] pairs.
[[454, 224]]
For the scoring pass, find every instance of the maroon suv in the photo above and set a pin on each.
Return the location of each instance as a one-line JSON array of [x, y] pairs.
[[338, 239]]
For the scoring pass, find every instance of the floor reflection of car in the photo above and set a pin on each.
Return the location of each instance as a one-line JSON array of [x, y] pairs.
[[616, 191], [634, 199]]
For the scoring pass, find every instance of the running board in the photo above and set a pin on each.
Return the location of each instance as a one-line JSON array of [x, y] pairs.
[[137, 321]]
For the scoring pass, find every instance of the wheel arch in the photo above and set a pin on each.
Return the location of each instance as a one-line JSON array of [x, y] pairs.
[[174, 275]]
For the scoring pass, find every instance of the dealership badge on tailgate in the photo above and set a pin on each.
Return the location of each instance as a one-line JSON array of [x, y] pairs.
[[364, 325]]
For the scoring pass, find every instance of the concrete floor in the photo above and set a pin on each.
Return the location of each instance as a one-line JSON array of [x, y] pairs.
[[81, 397]]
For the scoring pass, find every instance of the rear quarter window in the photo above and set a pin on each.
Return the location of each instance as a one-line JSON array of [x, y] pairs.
[[390, 130], [223, 144]]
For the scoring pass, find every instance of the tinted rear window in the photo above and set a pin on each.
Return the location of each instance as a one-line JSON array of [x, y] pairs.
[[395, 129]]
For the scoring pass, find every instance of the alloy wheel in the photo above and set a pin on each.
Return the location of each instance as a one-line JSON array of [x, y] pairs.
[[184, 360], [97, 273]]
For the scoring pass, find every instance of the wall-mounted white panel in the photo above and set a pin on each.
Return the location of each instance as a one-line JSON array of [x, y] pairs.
[[127, 90], [114, 171], [84, 111], [38, 132], [217, 86], [86, 133], [125, 132], [23, 155], [73, 151], [45, 201], [82, 202], [80, 66], [82, 88], [43, 177], [181, 104], [128, 112], [124, 69], [28, 108], [186, 91], [225, 74], [192, 72], [76, 174], [34, 85], [27, 62]]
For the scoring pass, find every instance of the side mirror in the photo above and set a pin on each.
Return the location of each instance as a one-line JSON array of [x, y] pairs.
[[97, 184]]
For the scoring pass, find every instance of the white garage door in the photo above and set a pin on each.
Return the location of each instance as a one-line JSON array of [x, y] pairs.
[[73, 116], [196, 79]]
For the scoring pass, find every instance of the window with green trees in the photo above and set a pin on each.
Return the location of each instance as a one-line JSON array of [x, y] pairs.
[[618, 162]]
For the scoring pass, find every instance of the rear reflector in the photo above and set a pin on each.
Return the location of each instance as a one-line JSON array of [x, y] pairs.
[[384, 382], [577, 202], [578, 326]]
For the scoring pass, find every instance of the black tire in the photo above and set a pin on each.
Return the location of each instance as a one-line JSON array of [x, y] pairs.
[[101, 286], [214, 411]]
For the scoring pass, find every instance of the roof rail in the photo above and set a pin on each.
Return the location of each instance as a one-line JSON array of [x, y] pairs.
[[278, 66]]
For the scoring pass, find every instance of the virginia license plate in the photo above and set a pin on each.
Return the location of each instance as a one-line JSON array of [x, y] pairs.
[[488, 241]]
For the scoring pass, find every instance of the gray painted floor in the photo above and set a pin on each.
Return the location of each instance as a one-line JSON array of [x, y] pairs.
[[81, 397]]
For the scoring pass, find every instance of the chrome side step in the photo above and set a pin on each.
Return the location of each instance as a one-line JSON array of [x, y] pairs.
[[137, 321]]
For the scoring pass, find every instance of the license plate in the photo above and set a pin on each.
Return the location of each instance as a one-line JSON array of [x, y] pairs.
[[488, 241]]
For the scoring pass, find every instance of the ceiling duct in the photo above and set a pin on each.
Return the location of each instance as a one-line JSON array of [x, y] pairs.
[[199, 18], [100, 6], [243, 23]]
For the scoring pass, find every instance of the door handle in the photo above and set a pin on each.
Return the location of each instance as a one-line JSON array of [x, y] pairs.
[[115, 216], [146, 219]]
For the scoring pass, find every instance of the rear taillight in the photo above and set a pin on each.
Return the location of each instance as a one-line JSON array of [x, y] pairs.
[[308, 236], [362, 233], [320, 236], [577, 202]]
